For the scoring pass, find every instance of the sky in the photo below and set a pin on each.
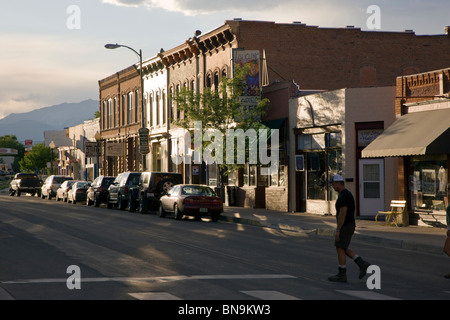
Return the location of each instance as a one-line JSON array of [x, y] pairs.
[[52, 51]]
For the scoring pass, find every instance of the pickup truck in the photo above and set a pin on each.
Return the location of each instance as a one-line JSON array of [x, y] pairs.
[[25, 183]]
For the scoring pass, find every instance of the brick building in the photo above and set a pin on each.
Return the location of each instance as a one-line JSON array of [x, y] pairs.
[[314, 58], [419, 140], [120, 120]]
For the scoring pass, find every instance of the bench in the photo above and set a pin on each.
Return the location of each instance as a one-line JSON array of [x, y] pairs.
[[398, 207]]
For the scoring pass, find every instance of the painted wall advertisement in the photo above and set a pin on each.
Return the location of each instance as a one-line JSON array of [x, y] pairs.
[[252, 87]]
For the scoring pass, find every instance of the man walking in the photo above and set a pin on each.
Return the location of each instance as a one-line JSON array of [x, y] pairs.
[[345, 216]]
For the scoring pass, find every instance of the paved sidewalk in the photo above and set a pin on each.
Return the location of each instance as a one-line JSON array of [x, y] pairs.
[[417, 238]]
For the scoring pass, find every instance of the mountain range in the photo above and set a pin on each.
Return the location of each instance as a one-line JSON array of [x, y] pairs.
[[31, 125]]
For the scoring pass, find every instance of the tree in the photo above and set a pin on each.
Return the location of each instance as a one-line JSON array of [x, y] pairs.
[[10, 141], [222, 110], [36, 159]]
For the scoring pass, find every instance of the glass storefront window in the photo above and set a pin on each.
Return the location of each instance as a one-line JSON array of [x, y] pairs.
[[428, 182], [316, 176]]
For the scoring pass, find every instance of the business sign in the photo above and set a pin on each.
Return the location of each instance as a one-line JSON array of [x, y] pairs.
[[114, 149], [143, 141], [366, 136], [8, 151], [92, 149]]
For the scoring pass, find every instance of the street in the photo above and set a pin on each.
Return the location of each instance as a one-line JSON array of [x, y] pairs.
[[53, 250]]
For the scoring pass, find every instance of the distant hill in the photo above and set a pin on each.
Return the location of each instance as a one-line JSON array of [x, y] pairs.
[[31, 125]]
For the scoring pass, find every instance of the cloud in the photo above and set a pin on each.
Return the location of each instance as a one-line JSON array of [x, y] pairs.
[[198, 7]]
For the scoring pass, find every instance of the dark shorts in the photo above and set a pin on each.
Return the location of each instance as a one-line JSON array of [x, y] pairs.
[[345, 236]]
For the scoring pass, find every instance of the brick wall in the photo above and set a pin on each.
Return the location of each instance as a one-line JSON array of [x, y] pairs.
[[334, 58]]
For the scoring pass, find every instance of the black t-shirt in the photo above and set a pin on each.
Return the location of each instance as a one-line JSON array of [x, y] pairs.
[[345, 199]]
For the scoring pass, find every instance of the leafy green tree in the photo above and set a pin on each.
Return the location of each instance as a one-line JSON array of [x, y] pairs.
[[36, 159], [221, 110], [10, 141]]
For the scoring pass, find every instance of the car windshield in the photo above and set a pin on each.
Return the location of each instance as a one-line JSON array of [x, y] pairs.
[[197, 191], [134, 179], [107, 182], [59, 179]]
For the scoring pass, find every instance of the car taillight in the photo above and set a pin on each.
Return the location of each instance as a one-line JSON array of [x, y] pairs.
[[100, 189], [126, 189], [188, 201]]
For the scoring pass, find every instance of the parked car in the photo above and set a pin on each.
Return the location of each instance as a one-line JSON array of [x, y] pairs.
[[25, 183], [78, 192], [193, 200], [63, 190], [152, 185], [51, 185], [119, 190], [98, 191]]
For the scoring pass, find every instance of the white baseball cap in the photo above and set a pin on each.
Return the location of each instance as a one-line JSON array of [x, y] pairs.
[[336, 178]]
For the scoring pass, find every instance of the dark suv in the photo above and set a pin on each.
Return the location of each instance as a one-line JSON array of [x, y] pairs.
[[119, 190], [152, 186], [98, 191]]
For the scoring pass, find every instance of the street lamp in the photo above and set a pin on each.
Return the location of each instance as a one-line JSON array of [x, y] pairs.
[[52, 146], [143, 130]]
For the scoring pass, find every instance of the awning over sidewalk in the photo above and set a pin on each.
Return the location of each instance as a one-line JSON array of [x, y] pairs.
[[417, 133]]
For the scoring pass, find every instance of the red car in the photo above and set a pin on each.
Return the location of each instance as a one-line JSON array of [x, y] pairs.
[[191, 200]]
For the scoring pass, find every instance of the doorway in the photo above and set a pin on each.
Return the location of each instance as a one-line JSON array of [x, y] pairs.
[[371, 186]]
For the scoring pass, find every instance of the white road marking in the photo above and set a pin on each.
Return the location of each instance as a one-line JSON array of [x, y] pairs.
[[156, 279], [367, 295], [154, 296], [269, 295], [4, 295]]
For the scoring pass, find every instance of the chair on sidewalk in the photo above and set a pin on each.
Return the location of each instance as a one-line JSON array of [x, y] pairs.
[[398, 207]]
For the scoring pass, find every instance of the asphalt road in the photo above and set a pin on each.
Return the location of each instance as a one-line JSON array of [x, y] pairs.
[[56, 251]]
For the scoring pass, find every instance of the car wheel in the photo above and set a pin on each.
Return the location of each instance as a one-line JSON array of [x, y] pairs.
[[143, 205], [131, 205], [96, 201], [161, 211], [121, 203], [165, 185], [108, 204], [18, 192], [215, 217], [11, 192], [177, 212]]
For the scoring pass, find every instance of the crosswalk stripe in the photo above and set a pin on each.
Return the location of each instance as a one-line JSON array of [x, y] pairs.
[[269, 295], [154, 296], [368, 295]]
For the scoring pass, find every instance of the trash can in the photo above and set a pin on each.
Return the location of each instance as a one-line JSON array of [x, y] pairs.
[[231, 193], [220, 192]]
